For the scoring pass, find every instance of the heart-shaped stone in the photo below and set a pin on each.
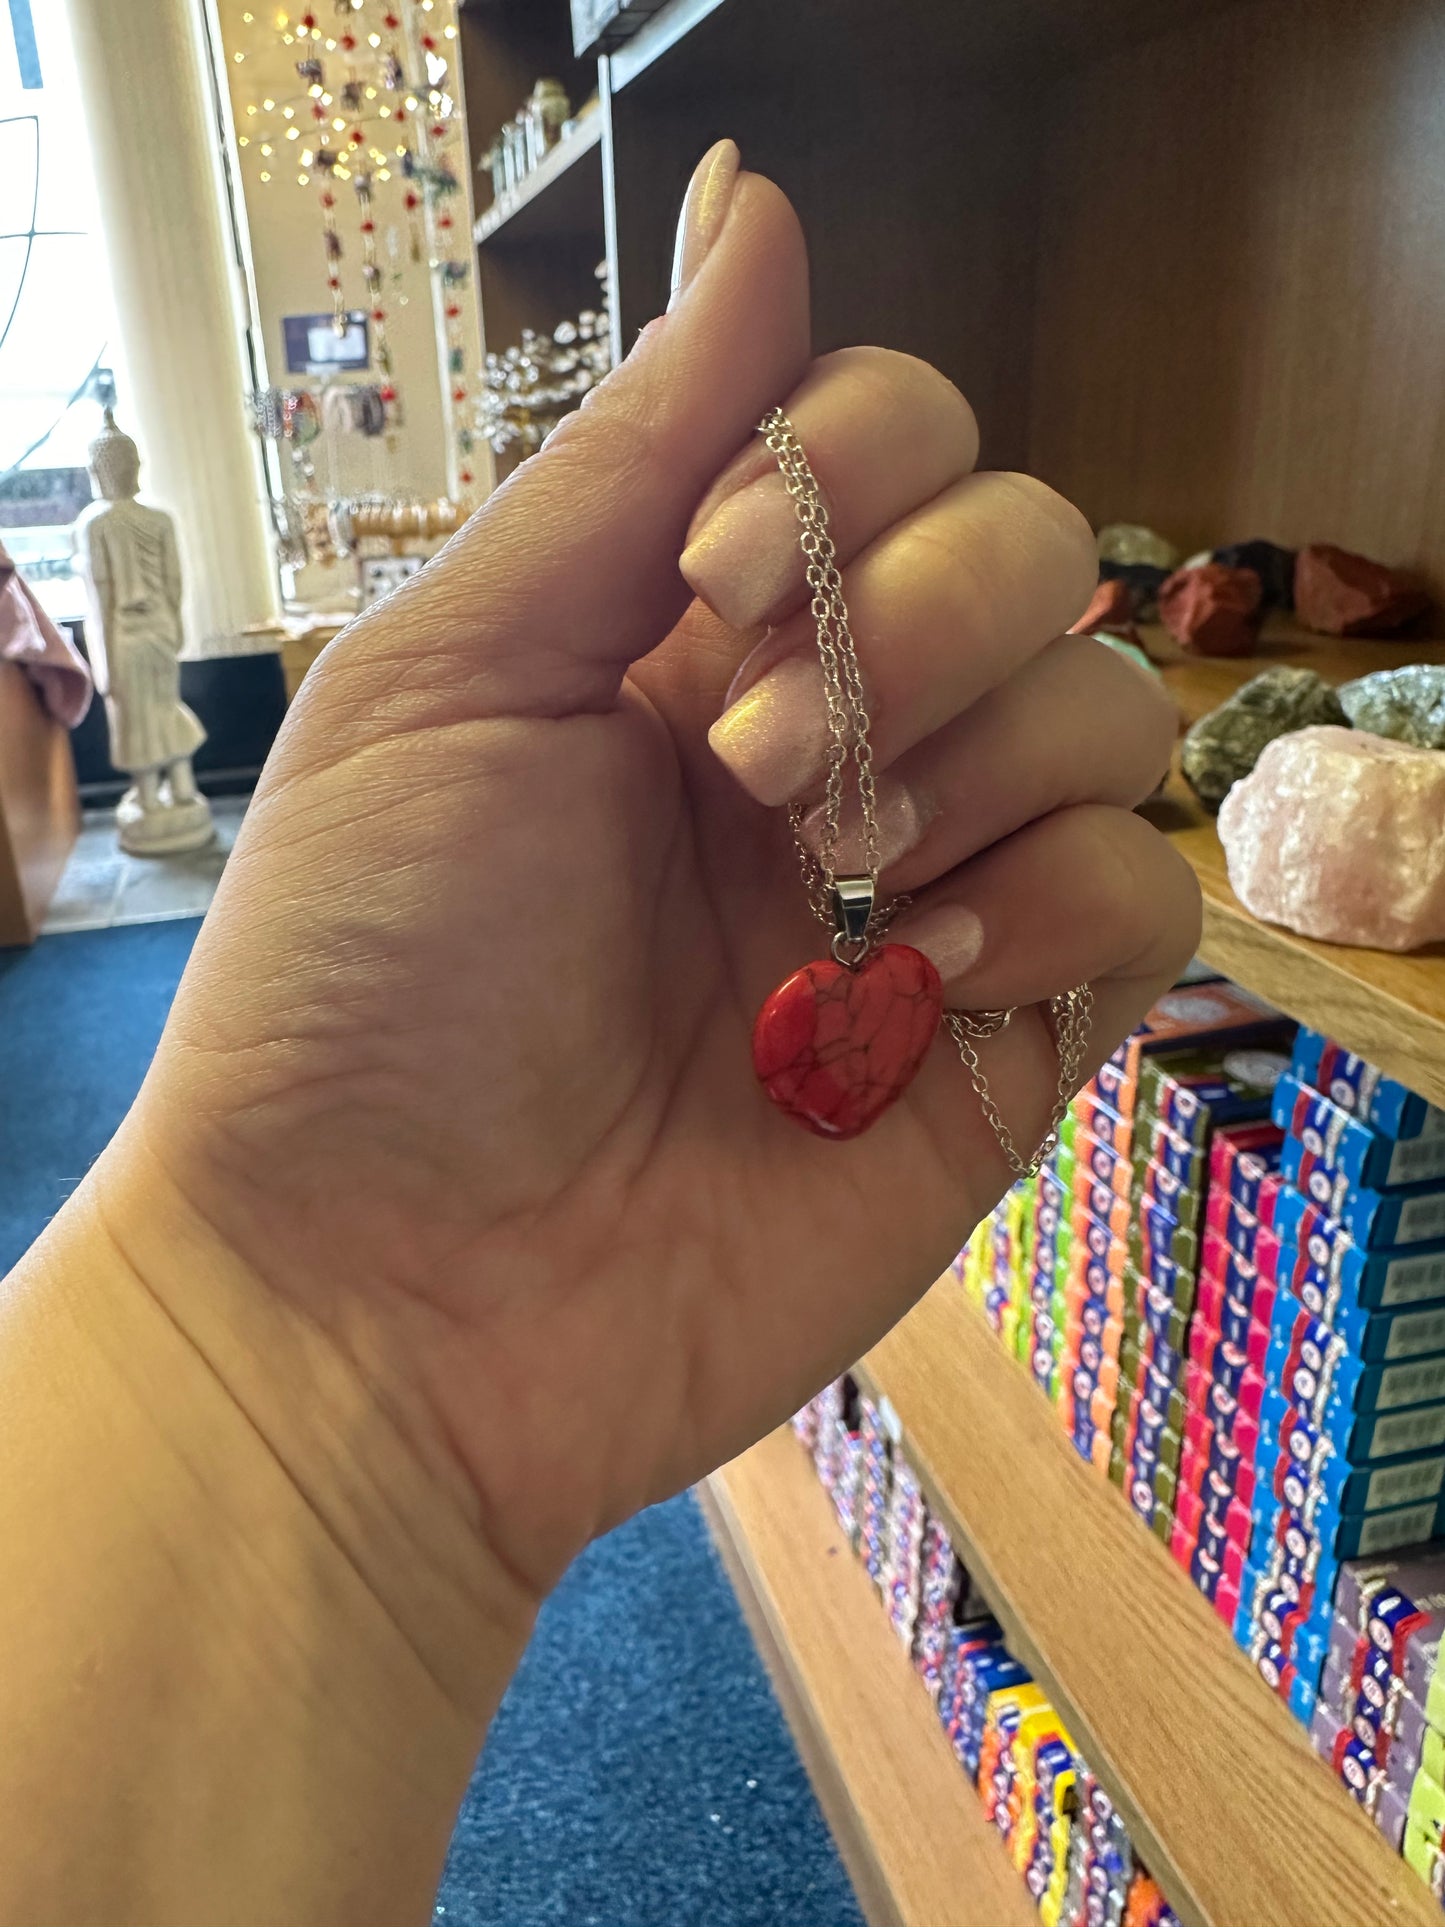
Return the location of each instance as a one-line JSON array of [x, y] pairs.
[[834, 1047]]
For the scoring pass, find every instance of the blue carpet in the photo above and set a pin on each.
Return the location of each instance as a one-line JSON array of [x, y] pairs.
[[639, 1773]]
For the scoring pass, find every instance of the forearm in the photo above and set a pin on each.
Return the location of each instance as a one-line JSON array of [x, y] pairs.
[[231, 1590]]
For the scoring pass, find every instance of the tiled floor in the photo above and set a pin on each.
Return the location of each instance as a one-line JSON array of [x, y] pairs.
[[103, 886]]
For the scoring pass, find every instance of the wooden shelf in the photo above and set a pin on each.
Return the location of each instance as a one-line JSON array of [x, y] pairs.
[[1223, 1798], [1388, 1008], [908, 1824], [1038, 33], [561, 196]]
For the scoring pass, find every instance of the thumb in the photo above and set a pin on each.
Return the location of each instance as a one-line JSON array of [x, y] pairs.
[[569, 572]]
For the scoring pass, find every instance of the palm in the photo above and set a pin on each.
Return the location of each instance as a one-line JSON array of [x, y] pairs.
[[520, 996]]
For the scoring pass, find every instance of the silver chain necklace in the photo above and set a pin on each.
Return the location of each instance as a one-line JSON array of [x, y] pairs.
[[848, 904]]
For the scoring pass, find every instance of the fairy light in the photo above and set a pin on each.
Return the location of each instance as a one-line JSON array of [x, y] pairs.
[[238, 58], [411, 103], [247, 18], [371, 93], [288, 113], [293, 133], [264, 175], [266, 149], [449, 32], [251, 109], [384, 111], [243, 140], [303, 180], [339, 124], [315, 90], [307, 157], [400, 152], [269, 105], [373, 40], [383, 173]]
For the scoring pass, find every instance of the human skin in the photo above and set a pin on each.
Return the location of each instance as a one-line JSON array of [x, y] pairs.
[[450, 1226]]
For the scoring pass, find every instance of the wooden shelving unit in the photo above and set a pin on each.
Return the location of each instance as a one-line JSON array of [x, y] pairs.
[[1184, 257], [570, 178], [1235, 1817], [909, 1826]]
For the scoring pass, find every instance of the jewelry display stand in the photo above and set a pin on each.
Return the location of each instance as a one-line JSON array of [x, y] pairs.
[[1183, 258]]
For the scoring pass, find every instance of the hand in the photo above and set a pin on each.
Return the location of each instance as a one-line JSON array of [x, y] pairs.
[[460, 1070]]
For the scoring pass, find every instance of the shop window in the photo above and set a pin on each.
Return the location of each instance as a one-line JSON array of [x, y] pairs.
[[56, 332]]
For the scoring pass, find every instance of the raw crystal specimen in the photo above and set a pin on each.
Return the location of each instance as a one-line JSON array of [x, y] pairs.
[[1341, 594], [1211, 610], [1273, 565], [1225, 745], [1112, 607], [1129, 542], [1408, 704], [1341, 835], [1143, 581]]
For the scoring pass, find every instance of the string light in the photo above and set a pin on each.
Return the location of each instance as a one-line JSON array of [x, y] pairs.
[[238, 58], [339, 124], [293, 133], [371, 93], [400, 152], [252, 108], [303, 180], [269, 105], [384, 111], [373, 40], [307, 157], [266, 149], [288, 113], [383, 173], [411, 103], [449, 32], [243, 140], [247, 18], [264, 175], [315, 90]]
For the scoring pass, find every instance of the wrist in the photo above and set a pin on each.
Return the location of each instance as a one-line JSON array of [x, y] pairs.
[[253, 1619]]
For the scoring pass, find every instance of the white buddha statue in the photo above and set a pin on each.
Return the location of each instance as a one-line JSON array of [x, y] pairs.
[[127, 554]]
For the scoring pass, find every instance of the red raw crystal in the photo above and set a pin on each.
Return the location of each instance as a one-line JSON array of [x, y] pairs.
[[1112, 608], [1341, 594], [834, 1047], [1211, 610]]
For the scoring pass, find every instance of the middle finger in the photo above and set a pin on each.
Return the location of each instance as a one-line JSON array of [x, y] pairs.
[[944, 606]]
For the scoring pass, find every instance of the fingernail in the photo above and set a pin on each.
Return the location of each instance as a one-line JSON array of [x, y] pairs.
[[704, 209], [901, 815], [774, 738], [745, 559], [951, 937]]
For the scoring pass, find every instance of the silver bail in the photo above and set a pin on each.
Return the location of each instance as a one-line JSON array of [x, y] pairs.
[[852, 906]]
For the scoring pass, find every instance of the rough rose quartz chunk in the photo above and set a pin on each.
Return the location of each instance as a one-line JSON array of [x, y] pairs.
[[835, 1047], [1341, 835]]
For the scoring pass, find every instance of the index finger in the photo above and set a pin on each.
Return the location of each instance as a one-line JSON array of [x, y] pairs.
[[883, 432]]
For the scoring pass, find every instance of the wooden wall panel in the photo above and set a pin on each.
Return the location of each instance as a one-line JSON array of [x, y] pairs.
[[39, 811], [1241, 281]]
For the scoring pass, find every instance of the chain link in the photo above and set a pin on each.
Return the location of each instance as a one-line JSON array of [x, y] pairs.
[[848, 742]]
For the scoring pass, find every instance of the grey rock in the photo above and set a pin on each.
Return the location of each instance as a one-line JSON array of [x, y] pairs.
[[1226, 744], [1408, 704]]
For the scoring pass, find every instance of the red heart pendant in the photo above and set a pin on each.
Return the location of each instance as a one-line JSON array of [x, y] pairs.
[[835, 1047]]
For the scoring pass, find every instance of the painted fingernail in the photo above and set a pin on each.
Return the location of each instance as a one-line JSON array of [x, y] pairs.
[[950, 936], [704, 209], [902, 817], [745, 559], [774, 738]]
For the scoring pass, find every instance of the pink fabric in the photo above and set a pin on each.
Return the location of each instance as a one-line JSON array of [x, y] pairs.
[[50, 659]]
